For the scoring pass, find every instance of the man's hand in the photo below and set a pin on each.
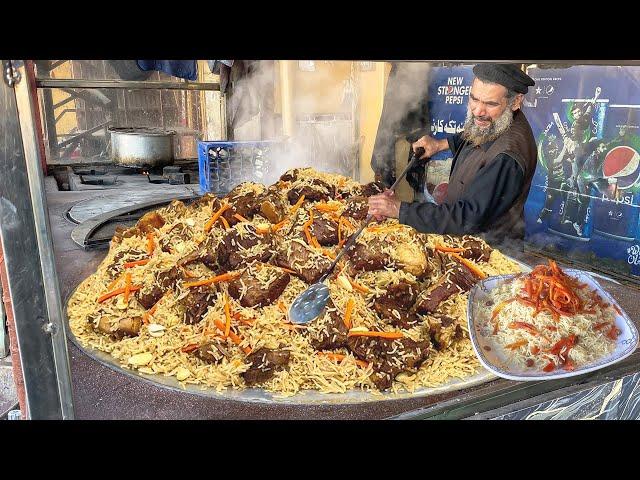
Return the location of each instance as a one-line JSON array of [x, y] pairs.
[[431, 146], [384, 205]]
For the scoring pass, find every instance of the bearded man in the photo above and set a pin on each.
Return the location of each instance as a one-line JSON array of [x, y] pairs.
[[493, 164]]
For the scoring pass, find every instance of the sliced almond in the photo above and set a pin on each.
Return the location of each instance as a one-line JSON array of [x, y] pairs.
[[156, 330], [344, 283], [182, 374], [140, 359], [359, 329]]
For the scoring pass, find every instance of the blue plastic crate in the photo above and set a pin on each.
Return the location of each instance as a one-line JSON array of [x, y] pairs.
[[224, 164]]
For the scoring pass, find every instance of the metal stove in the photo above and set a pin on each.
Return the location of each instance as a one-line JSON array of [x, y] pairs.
[[107, 177]]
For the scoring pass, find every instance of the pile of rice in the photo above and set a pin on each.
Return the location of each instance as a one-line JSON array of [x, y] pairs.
[[528, 351], [158, 347]]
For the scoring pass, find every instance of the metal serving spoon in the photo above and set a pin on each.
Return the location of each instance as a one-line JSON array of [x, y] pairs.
[[310, 303]]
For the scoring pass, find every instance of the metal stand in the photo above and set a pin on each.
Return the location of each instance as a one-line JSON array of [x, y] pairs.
[[28, 249]]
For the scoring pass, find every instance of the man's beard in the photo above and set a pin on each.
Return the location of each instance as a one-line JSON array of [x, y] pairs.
[[477, 135]]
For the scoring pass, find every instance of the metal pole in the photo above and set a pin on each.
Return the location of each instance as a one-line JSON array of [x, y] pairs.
[[28, 249]]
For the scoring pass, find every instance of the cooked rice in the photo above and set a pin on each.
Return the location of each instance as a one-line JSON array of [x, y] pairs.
[[306, 369]]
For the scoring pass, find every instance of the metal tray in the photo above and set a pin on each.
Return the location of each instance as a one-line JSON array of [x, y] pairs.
[[257, 395]]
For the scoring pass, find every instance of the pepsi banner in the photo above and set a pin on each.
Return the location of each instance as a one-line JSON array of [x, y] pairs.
[[584, 202], [448, 99]]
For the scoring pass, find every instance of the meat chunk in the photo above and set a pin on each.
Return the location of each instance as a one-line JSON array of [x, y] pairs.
[[444, 330], [121, 258], [308, 264], [243, 202], [389, 357], [208, 201], [264, 363], [251, 292], [176, 209], [325, 230], [212, 352], [197, 302], [207, 253], [149, 296], [455, 281], [273, 207], [236, 248], [150, 222], [290, 175], [356, 208], [395, 305], [475, 248], [367, 258], [313, 191], [175, 237], [372, 188], [125, 327], [328, 331]]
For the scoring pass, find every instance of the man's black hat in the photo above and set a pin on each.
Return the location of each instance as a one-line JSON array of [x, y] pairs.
[[507, 74]]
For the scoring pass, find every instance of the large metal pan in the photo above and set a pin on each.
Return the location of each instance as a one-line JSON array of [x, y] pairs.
[[141, 147]]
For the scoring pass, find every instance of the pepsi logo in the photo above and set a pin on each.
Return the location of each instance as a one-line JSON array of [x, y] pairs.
[[622, 164]]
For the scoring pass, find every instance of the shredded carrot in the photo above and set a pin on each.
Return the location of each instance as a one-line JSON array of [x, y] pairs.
[[347, 313], [215, 217], [127, 287], [149, 313], [118, 291], [115, 282], [295, 208], [279, 225], [328, 253], [338, 357], [347, 223], [475, 270], [189, 273], [384, 229], [282, 307], [225, 277], [442, 248], [499, 308], [234, 338], [263, 230], [323, 207], [358, 287], [225, 223], [314, 242], [292, 326], [307, 234], [136, 263], [240, 217], [516, 345], [227, 314], [371, 333], [287, 270], [189, 348], [151, 245]]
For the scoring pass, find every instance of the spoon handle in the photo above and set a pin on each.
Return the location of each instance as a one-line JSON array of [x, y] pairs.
[[416, 155]]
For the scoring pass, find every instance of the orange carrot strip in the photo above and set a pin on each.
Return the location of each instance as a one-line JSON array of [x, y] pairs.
[[371, 333], [151, 246], [118, 291], [225, 277], [347, 313], [358, 287], [307, 234], [240, 217], [279, 225], [287, 270], [225, 223], [282, 307], [295, 208], [516, 345], [442, 248], [189, 348], [475, 270], [262, 230], [234, 338], [127, 287], [338, 357], [328, 253], [215, 217], [136, 263], [227, 314], [347, 223], [323, 207], [115, 282]]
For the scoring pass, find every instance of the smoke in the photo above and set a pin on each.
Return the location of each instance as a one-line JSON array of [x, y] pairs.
[[327, 112]]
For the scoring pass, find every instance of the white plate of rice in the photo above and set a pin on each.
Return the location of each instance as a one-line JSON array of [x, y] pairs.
[[510, 351]]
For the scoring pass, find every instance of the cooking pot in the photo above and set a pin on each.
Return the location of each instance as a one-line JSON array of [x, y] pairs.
[[141, 146]]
